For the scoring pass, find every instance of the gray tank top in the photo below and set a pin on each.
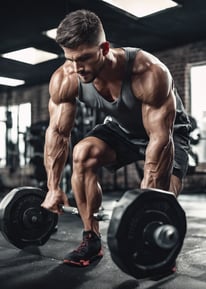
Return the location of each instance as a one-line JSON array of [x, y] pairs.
[[127, 109]]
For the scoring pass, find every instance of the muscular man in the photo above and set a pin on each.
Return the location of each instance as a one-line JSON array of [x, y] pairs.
[[134, 88]]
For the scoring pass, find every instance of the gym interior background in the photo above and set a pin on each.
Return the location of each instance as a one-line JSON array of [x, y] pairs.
[[175, 35]]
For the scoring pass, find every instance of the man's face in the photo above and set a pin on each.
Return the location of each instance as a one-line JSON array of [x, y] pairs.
[[87, 61]]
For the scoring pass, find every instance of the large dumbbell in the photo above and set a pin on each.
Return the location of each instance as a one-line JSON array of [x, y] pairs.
[[23, 221], [146, 232]]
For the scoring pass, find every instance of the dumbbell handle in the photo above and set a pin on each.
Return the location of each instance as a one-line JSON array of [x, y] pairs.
[[99, 216], [164, 236]]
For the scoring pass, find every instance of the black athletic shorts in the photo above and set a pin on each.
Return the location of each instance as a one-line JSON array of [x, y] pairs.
[[130, 149]]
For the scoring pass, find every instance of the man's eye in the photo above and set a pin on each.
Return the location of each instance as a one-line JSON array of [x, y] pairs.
[[80, 59], [68, 59]]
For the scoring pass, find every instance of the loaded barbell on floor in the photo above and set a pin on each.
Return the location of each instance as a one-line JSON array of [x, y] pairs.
[[23, 221], [145, 234]]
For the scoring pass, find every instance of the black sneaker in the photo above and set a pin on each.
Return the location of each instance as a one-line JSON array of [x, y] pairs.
[[89, 250]]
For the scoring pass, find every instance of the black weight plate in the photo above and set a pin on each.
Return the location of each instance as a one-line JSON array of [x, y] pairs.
[[23, 221], [126, 241]]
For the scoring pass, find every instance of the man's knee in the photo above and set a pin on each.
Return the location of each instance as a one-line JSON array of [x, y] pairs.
[[80, 152], [93, 152], [86, 154]]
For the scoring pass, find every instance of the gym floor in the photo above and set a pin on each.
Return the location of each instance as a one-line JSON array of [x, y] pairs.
[[42, 268]]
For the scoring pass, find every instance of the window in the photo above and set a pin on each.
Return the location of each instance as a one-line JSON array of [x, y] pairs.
[[198, 105], [2, 136], [14, 121]]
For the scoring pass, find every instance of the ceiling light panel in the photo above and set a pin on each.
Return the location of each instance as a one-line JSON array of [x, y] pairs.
[[11, 81], [51, 33], [30, 55], [141, 8]]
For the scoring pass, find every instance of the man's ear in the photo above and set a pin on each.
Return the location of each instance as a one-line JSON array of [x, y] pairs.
[[105, 47]]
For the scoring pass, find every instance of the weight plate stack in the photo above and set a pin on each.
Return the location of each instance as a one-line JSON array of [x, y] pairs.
[[23, 221], [131, 248]]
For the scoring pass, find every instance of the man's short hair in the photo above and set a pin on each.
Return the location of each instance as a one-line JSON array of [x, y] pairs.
[[79, 27]]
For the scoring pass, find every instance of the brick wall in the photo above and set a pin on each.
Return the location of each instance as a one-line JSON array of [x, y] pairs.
[[179, 61]]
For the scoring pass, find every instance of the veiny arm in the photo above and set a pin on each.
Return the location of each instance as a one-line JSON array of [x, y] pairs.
[[62, 109], [160, 150], [158, 112], [57, 141]]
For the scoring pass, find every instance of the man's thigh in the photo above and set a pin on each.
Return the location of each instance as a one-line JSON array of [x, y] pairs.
[[127, 151]]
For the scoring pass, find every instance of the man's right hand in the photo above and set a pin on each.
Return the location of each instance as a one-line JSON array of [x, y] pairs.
[[54, 200]]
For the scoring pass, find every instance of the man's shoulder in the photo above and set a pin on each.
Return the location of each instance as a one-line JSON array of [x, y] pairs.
[[63, 84], [146, 62], [63, 72], [151, 79]]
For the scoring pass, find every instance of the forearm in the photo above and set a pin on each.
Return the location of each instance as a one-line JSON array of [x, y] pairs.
[[158, 165], [56, 151]]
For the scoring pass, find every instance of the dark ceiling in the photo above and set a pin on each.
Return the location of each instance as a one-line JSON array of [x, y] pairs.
[[22, 23]]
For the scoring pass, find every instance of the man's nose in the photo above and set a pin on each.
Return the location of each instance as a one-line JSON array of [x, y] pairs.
[[77, 66]]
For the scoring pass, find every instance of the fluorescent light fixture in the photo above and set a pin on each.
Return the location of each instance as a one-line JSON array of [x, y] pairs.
[[30, 55], [141, 8], [51, 33], [11, 81]]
